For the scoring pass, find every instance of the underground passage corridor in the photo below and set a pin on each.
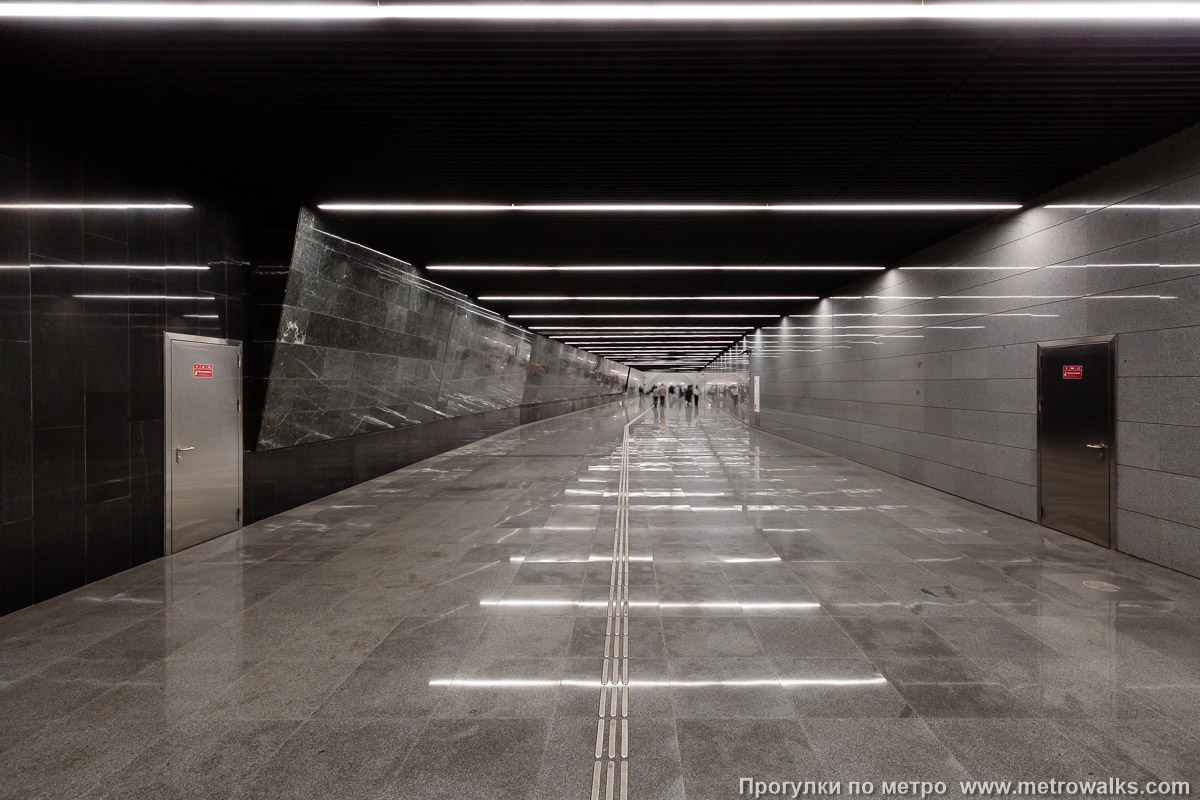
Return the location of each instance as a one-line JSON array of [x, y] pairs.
[[599, 399], [624, 602]]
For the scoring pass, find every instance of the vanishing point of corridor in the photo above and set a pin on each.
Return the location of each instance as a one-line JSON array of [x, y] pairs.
[[567, 610]]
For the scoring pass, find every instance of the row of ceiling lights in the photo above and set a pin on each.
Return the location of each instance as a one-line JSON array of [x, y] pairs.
[[1081, 11], [628, 345]]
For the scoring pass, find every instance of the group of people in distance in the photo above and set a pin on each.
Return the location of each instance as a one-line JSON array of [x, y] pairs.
[[685, 393]]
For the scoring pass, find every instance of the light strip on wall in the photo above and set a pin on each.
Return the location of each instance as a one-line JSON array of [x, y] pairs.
[[126, 267], [1118, 206], [598, 298], [142, 297], [92, 206], [663, 12], [647, 268]]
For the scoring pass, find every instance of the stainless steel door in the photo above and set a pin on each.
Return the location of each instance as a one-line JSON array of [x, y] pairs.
[[1076, 456], [204, 441]]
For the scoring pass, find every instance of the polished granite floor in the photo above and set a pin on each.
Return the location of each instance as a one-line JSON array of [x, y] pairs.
[[441, 632]]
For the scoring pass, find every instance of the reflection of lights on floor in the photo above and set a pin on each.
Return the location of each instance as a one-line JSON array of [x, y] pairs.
[[748, 605], [552, 560], [742, 560], [535, 683]]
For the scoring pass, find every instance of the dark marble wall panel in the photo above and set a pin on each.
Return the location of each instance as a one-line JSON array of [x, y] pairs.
[[558, 371], [283, 478], [364, 344], [81, 381]]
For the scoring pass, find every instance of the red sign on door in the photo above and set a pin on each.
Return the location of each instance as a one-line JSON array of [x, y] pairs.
[[1073, 372], [201, 370]]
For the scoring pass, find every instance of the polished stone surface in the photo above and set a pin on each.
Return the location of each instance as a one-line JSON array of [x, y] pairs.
[[439, 631], [365, 344], [929, 369]]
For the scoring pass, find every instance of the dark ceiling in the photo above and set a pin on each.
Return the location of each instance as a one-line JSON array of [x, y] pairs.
[[275, 115]]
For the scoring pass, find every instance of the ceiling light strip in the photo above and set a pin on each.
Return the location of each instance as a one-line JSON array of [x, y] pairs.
[[91, 206], [783, 12], [645, 268], [680, 328], [601, 298], [666, 208], [640, 316]]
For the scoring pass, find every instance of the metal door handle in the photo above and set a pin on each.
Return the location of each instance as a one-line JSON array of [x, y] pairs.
[[1093, 446], [179, 453]]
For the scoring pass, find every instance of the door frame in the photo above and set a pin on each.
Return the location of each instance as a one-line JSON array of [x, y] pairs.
[[1111, 433], [168, 459]]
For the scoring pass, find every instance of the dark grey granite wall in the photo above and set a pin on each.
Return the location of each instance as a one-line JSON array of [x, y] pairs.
[[81, 383], [365, 344], [946, 393]]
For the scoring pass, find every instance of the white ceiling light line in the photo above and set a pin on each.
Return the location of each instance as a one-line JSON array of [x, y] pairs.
[[664, 208], [92, 206], [684, 12], [143, 297], [664, 328], [646, 268], [640, 316], [645, 338], [1119, 206], [601, 298]]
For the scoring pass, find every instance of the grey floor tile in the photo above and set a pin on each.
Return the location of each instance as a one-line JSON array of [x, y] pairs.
[[881, 749], [815, 636], [716, 754], [68, 759], [474, 760], [336, 758], [439, 632], [503, 688], [1006, 749], [709, 637], [897, 637], [381, 688], [197, 761], [431, 637], [279, 690], [727, 687], [839, 688], [519, 636]]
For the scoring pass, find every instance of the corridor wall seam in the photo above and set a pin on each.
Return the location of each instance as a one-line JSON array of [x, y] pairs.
[[951, 401]]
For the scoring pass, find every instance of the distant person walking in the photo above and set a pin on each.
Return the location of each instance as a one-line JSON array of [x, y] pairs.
[[662, 395]]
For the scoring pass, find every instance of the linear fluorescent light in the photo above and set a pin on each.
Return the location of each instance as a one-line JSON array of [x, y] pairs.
[[784, 12], [1119, 206], [86, 206], [662, 208], [638, 316], [201, 316], [126, 267], [640, 328], [589, 298], [142, 297], [646, 268]]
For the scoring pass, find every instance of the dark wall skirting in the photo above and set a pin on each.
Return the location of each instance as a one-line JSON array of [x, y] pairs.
[[277, 480]]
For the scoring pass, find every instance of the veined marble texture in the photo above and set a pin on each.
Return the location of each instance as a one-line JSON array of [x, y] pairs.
[[365, 344]]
